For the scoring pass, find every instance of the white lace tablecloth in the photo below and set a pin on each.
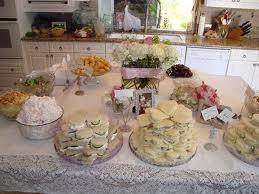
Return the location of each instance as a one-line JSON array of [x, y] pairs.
[[33, 166]]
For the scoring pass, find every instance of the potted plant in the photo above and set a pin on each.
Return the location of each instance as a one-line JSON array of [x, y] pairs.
[[143, 64]]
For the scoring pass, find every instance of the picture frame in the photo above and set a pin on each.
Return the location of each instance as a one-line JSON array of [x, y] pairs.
[[59, 23], [144, 98]]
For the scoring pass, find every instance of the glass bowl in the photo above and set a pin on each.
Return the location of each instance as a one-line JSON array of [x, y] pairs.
[[40, 132], [38, 83]]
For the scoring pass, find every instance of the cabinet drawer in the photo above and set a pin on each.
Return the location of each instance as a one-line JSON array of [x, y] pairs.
[[11, 66], [9, 79], [111, 46], [61, 47], [243, 55], [37, 47], [90, 48]]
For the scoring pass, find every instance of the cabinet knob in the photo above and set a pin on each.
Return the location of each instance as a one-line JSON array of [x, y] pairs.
[[36, 48], [60, 48], [12, 69], [51, 56], [88, 48], [47, 56], [255, 65], [15, 83], [244, 56]]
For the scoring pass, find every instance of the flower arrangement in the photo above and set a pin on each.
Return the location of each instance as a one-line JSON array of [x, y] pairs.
[[138, 55], [143, 64]]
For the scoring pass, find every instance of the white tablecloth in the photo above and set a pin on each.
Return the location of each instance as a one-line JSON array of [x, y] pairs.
[[34, 166]]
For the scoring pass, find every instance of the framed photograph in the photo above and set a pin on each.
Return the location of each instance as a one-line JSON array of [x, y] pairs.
[[59, 24], [144, 98]]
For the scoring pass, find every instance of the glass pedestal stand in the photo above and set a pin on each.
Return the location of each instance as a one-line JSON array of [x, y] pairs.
[[211, 146], [126, 114], [79, 92]]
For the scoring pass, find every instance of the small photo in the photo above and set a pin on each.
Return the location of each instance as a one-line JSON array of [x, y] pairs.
[[59, 24], [144, 99]]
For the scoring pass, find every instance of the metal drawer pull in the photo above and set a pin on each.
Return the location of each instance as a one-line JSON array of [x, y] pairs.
[[255, 65], [36, 48], [244, 56], [88, 48], [60, 48]]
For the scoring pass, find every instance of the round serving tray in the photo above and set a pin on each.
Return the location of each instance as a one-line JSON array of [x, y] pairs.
[[238, 155], [168, 164], [111, 152]]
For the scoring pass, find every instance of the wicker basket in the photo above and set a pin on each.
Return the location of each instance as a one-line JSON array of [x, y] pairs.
[[57, 32]]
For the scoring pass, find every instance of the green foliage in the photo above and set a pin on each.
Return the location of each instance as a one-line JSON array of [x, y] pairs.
[[156, 39], [148, 62]]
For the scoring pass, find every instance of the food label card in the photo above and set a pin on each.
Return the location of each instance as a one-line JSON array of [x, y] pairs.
[[210, 113], [124, 94], [226, 115]]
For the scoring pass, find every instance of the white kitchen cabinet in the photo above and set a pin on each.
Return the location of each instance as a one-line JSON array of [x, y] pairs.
[[89, 47], [241, 4], [244, 63], [255, 82], [38, 61], [243, 69], [11, 70], [208, 60], [50, 6], [56, 58], [61, 47]]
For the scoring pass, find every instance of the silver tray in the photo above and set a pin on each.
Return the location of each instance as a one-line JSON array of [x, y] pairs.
[[172, 164]]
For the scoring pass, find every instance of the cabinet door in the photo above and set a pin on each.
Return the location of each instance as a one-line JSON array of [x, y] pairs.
[[38, 61], [255, 83], [243, 69], [56, 58], [181, 51]]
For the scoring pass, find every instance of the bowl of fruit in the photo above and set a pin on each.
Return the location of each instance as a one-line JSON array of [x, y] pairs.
[[98, 65]]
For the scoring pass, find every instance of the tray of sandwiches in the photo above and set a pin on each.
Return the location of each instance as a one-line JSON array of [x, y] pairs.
[[165, 136], [242, 140], [87, 139]]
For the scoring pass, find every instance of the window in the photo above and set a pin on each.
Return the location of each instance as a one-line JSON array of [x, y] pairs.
[[176, 14]]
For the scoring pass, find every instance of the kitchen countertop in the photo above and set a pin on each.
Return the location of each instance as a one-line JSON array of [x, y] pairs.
[[245, 43]]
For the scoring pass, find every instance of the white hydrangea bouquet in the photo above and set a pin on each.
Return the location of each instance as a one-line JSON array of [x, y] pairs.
[[143, 64]]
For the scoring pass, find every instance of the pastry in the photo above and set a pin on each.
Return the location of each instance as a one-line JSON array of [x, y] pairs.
[[157, 115], [168, 107], [144, 120]]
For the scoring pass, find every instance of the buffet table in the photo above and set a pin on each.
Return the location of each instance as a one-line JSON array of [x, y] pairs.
[[34, 166]]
